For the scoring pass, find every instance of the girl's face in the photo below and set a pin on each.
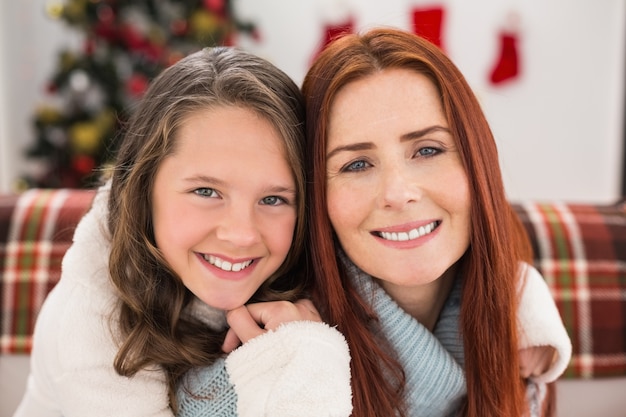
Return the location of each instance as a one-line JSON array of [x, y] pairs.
[[224, 205], [398, 195]]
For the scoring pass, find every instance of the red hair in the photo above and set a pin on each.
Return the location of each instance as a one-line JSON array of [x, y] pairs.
[[489, 268]]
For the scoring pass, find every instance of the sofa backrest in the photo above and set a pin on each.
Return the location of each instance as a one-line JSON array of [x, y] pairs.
[[580, 250], [36, 229]]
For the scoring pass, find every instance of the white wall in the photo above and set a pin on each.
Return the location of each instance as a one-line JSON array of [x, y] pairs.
[[29, 44], [558, 126]]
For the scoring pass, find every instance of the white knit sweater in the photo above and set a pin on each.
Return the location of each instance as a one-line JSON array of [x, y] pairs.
[[72, 372]]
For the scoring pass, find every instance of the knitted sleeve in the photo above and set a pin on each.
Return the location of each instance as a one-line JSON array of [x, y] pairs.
[[207, 392], [300, 369], [540, 323]]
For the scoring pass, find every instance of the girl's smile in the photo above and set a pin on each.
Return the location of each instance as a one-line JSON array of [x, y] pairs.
[[225, 265]]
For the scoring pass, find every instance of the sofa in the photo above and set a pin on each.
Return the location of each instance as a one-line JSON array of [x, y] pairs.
[[579, 248]]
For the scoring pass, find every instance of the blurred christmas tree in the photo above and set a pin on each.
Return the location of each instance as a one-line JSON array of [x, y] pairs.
[[126, 43]]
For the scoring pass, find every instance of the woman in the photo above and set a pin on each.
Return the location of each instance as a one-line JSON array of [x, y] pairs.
[[422, 258], [204, 213]]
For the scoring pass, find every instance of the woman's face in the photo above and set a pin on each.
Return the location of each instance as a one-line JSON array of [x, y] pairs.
[[224, 205], [398, 195]]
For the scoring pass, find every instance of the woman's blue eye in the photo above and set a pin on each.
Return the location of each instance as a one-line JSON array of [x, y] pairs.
[[356, 166], [205, 192], [272, 200], [428, 151]]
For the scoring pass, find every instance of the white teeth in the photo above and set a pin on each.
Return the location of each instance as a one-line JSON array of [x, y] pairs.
[[412, 234], [225, 265]]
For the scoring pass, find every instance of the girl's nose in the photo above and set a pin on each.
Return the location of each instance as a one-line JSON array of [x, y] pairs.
[[238, 226]]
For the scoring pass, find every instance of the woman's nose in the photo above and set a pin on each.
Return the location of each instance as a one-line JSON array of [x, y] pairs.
[[399, 187]]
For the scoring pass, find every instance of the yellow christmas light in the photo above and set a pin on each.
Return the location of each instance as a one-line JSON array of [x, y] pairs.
[[54, 9], [85, 137]]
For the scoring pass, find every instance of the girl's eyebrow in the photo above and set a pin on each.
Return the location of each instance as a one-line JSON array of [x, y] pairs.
[[279, 189], [362, 146], [199, 179]]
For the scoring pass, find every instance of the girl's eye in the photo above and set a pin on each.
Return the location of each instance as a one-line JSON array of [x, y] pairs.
[[428, 151], [355, 166], [273, 200], [206, 192]]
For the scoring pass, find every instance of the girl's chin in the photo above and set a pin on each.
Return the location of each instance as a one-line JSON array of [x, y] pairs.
[[225, 305]]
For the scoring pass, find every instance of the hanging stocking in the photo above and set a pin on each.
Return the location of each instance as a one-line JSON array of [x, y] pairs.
[[338, 19], [507, 64], [428, 24], [332, 32]]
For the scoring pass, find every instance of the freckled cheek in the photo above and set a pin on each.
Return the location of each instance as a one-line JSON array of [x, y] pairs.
[[460, 202], [343, 207]]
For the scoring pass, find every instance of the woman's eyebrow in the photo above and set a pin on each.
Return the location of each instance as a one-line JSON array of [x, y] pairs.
[[423, 132], [361, 146]]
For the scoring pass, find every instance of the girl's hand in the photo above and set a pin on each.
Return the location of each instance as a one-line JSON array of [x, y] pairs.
[[249, 321], [535, 360]]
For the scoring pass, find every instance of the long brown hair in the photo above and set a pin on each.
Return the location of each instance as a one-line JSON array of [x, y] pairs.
[[489, 268], [154, 329]]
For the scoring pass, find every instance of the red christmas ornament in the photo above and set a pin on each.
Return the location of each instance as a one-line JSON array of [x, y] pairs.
[[507, 63], [83, 164], [106, 31], [132, 37], [137, 85], [428, 24], [215, 6], [179, 27], [153, 51]]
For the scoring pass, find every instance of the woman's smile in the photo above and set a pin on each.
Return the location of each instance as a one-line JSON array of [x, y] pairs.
[[398, 235]]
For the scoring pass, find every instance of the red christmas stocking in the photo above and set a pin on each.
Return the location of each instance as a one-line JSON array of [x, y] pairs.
[[428, 23], [332, 32], [507, 64]]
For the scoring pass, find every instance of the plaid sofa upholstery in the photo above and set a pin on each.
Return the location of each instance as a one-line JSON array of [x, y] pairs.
[[36, 229], [581, 252], [579, 249]]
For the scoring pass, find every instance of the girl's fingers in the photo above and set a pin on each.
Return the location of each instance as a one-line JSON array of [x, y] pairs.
[[249, 321], [231, 341], [272, 314], [243, 324]]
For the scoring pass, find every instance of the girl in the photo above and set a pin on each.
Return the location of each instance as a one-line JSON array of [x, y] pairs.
[[203, 213]]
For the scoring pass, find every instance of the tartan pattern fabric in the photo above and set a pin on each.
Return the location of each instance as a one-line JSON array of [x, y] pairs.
[[36, 229], [581, 252]]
